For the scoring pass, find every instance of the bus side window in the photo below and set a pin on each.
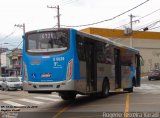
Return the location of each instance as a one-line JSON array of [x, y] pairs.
[[108, 53], [126, 58], [100, 52], [81, 48]]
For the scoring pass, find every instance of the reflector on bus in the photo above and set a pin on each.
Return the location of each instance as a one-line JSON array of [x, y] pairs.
[[69, 69]]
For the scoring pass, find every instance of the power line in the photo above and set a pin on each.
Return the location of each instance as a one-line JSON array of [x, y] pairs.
[[149, 14], [139, 18], [68, 2], [21, 26], [8, 35], [59, 2], [17, 46], [150, 24], [65, 2], [154, 28], [109, 18]]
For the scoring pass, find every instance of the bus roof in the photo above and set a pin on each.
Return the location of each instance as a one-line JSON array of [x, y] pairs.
[[47, 29], [106, 40], [92, 36]]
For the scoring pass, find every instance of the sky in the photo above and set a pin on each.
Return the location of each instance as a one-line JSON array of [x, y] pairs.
[[36, 15]]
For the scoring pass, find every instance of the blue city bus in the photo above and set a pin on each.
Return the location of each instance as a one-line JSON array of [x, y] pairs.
[[71, 62]]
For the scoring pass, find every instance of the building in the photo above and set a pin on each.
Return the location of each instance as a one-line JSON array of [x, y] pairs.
[[147, 42], [11, 63], [14, 63], [3, 61]]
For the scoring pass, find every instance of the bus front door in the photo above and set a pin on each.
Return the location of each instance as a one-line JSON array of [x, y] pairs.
[[91, 66], [117, 68]]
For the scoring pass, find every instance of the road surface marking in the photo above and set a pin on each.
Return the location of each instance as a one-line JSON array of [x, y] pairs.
[[13, 103], [57, 96], [49, 99], [127, 106], [31, 101], [149, 86], [61, 111]]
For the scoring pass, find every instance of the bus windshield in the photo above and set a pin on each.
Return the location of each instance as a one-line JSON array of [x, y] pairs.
[[51, 41]]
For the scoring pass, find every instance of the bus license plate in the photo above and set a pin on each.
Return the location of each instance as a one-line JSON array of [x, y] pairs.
[[48, 75]]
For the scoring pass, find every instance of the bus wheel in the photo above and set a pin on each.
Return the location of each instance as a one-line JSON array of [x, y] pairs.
[[68, 95], [105, 88]]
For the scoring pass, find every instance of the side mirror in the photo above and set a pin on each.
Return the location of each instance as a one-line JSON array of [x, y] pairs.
[[23, 37]]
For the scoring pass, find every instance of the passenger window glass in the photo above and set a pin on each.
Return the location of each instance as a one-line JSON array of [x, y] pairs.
[[81, 48], [108, 54], [100, 52]]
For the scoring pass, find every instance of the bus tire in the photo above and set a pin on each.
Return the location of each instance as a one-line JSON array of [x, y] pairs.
[[31, 92], [68, 95], [105, 88]]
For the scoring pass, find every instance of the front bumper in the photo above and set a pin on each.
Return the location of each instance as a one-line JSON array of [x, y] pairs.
[[153, 77], [15, 88], [49, 86]]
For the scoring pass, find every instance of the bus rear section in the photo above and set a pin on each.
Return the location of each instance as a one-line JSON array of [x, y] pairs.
[[48, 61]]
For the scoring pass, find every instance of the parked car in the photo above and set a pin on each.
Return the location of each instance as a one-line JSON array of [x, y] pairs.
[[154, 74], [11, 83], [1, 81], [20, 78]]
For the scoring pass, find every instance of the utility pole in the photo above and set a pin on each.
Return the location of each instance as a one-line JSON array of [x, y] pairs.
[[131, 30], [58, 14], [131, 22], [21, 26]]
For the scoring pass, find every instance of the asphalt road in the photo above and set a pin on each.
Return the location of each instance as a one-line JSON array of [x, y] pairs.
[[143, 102]]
